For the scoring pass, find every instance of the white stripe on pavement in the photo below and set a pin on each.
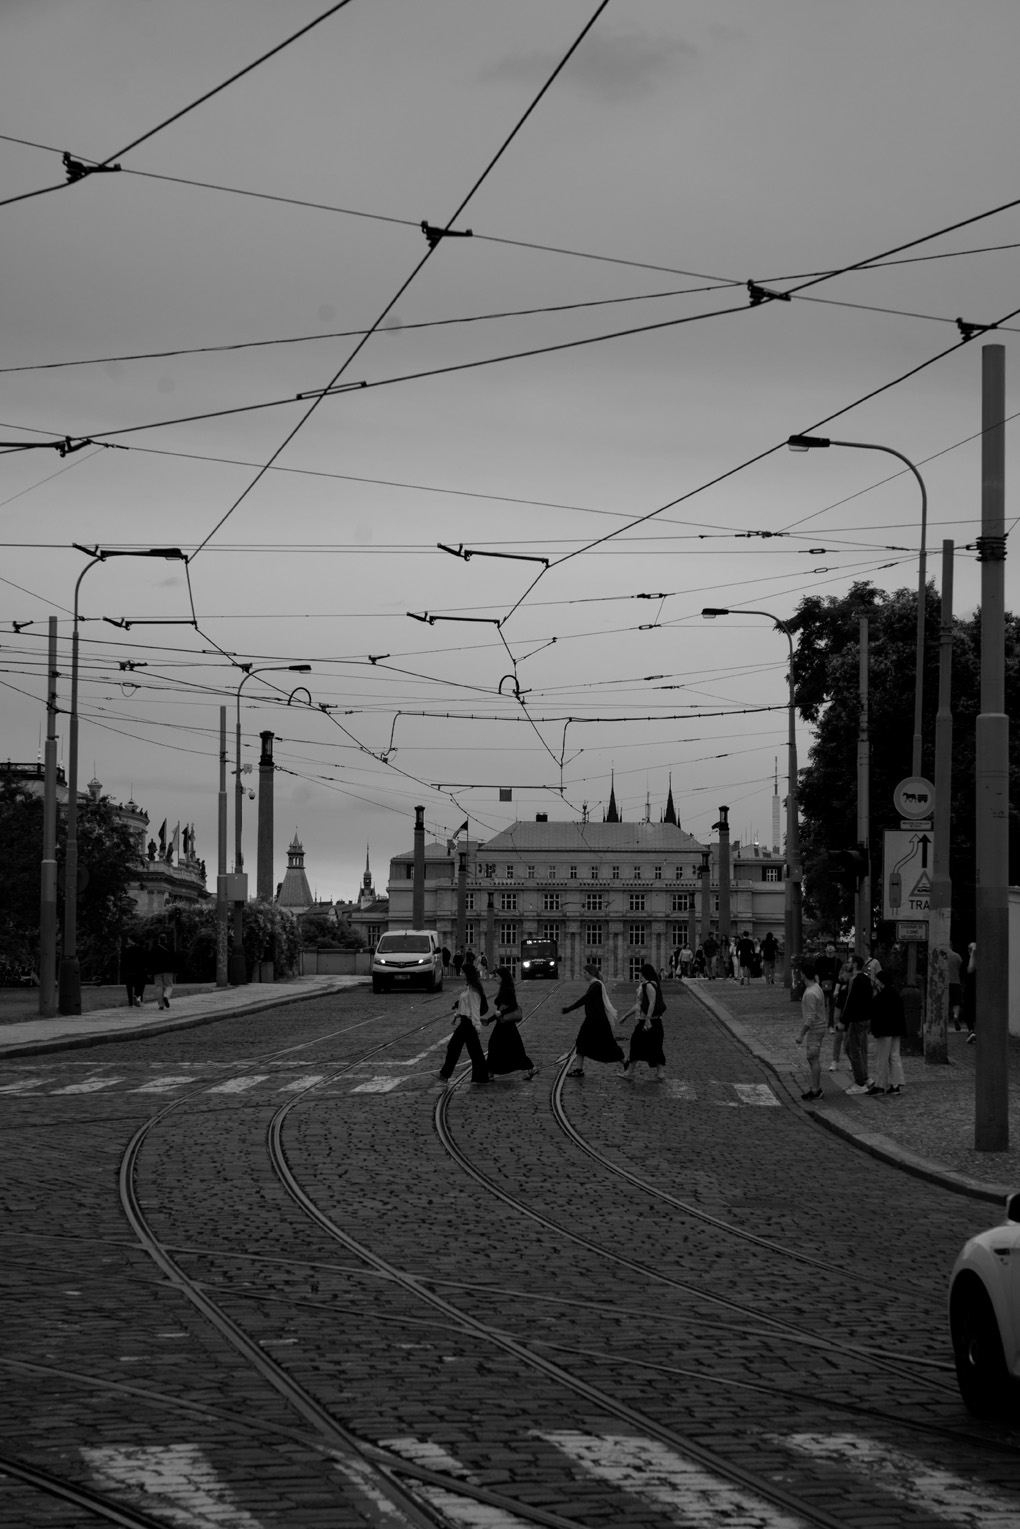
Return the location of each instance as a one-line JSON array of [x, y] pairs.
[[424, 1452], [165, 1084], [23, 1086], [173, 1480], [90, 1086], [377, 1086], [678, 1090], [299, 1083], [659, 1475], [238, 1085], [928, 1489], [756, 1093]]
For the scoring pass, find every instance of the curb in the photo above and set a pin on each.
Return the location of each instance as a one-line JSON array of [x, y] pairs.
[[870, 1142], [161, 1027]]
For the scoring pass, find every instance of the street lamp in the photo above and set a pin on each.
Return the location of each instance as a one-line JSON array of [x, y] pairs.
[[811, 442], [237, 962], [69, 979], [792, 916]]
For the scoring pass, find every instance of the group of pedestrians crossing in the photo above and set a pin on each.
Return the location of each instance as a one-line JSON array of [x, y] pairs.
[[506, 1048], [741, 958]]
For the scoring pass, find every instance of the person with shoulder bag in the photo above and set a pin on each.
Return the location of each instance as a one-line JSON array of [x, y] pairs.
[[506, 1049], [471, 1007], [647, 1036], [595, 1038]]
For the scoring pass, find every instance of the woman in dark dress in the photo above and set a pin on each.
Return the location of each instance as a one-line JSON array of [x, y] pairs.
[[506, 1049], [595, 1038], [647, 1036]]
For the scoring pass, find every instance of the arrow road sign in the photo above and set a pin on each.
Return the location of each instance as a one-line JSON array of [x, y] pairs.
[[906, 880]]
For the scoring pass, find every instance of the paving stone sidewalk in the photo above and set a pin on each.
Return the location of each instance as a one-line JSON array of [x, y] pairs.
[[928, 1129]]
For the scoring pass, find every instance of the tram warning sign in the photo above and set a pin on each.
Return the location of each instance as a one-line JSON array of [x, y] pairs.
[[908, 862]]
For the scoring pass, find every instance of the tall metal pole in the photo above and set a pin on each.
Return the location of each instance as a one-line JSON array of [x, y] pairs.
[[723, 826], [795, 874], [418, 871], [48, 882], [70, 970], [264, 863], [936, 1044], [461, 935], [991, 1120], [238, 965], [862, 919], [222, 905], [705, 876]]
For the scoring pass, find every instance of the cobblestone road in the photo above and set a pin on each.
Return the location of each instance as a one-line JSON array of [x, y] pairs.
[[698, 1308]]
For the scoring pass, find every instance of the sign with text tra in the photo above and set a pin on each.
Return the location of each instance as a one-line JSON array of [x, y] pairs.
[[907, 867]]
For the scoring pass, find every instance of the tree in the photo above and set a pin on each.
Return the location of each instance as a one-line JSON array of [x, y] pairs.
[[826, 669]]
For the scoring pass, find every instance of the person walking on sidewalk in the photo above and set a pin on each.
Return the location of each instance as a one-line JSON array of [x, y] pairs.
[[745, 958], [595, 1038], [856, 1023], [954, 973], [846, 973], [686, 961], [815, 1024], [647, 1036], [888, 1026], [769, 952], [970, 992], [506, 1049], [470, 1007], [134, 968], [164, 971], [710, 950]]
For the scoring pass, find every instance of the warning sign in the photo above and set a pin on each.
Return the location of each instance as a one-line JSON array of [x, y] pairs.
[[907, 869]]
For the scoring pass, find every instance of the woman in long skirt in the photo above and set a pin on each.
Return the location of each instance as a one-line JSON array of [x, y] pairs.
[[647, 1036], [506, 1049], [470, 1006], [595, 1038]]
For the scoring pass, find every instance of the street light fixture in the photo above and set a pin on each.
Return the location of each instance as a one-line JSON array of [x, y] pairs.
[[792, 913], [238, 968], [813, 442], [69, 980]]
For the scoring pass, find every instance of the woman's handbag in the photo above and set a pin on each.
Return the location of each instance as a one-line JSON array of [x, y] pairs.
[[510, 1016]]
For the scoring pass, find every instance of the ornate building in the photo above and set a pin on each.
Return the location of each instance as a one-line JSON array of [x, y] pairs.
[[294, 893]]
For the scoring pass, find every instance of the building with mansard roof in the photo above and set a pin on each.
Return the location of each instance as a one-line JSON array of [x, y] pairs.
[[294, 892]]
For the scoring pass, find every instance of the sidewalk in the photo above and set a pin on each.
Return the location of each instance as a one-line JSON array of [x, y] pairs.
[[927, 1130], [190, 1006]]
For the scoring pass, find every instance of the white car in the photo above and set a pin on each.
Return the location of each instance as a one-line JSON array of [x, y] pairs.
[[408, 958], [984, 1317]]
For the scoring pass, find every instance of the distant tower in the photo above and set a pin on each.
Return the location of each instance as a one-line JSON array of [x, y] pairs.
[[366, 897], [612, 816], [648, 806], [670, 813], [775, 810], [295, 893]]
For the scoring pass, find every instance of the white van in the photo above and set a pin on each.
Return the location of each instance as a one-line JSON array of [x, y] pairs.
[[408, 958]]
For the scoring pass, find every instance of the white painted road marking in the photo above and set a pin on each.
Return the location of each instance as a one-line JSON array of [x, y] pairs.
[[238, 1085], [175, 1481], [377, 1086], [424, 1452], [756, 1093], [23, 1086], [678, 1090], [299, 1083], [90, 1086], [165, 1084], [659, 1475], [454, 1507], [927, 1489]]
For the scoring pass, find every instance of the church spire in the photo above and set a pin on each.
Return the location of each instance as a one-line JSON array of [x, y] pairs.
[[612, 815], [670, 813]]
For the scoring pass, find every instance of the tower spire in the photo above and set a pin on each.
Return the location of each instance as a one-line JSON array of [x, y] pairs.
[[612, 815], [670, 813]]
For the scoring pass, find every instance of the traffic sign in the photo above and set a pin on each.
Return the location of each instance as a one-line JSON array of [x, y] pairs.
[[914, 797], [915, 933], [907, 868]]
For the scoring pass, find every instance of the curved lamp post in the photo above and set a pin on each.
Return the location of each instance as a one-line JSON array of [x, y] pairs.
[[792, 912], [69, 978], [812, 442], [237, 966]]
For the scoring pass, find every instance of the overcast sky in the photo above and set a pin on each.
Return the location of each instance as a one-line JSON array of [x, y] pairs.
[[685, 148]]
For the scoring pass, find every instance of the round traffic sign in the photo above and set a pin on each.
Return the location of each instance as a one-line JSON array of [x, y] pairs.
[[914, 797]]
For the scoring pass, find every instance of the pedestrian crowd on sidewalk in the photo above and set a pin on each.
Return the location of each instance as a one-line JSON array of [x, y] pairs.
[[721, 957], [142, 964]]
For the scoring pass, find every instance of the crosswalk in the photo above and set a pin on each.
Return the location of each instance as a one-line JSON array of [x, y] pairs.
[[710, 1092], [635, 1474]]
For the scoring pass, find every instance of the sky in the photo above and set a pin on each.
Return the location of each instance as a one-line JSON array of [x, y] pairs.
[[269, 241]]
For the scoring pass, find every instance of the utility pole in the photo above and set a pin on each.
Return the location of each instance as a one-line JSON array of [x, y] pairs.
[[264, 864], [48, 885], [418, 885], [991, 1095], [222, 904], [705, 876], [936, 1045], [723, 826], [862, 920], [462, 899]]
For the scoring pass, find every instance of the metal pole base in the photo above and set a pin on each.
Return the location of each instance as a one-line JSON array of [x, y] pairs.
[[237, 971], [69, 981]]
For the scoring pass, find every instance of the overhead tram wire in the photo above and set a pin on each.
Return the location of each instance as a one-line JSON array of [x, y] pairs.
[[432, 246], [108, 162]]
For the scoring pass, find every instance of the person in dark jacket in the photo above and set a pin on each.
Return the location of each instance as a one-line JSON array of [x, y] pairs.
[[888, 1026], [647, 1037], [164, 971], [769, 952], [595, 1038], [506, 1049], [134, 968], [856, 1020]]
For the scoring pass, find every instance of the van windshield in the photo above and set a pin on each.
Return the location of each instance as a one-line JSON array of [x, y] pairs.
[[419, 943]]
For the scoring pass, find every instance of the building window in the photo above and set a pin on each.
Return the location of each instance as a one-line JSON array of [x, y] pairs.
[[682, 902], [409, 872], [593, 902], [636, 874], [548, 932], [509, 873], [634, 964], [550, 902], [552, 873], [469, 902], [771, 873], [573, 873], [593, 874], [508, 902], [679, 935], [635, 934], [489, 870], [508, 934], [616, 873], [470, 932], [636, 902], [373, 933], [531, 873], [595, 961], [715, 903], [658, 873], [678, 873], [593, 934]]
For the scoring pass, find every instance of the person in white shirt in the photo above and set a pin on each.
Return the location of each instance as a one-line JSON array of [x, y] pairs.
[[816, 1023]]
